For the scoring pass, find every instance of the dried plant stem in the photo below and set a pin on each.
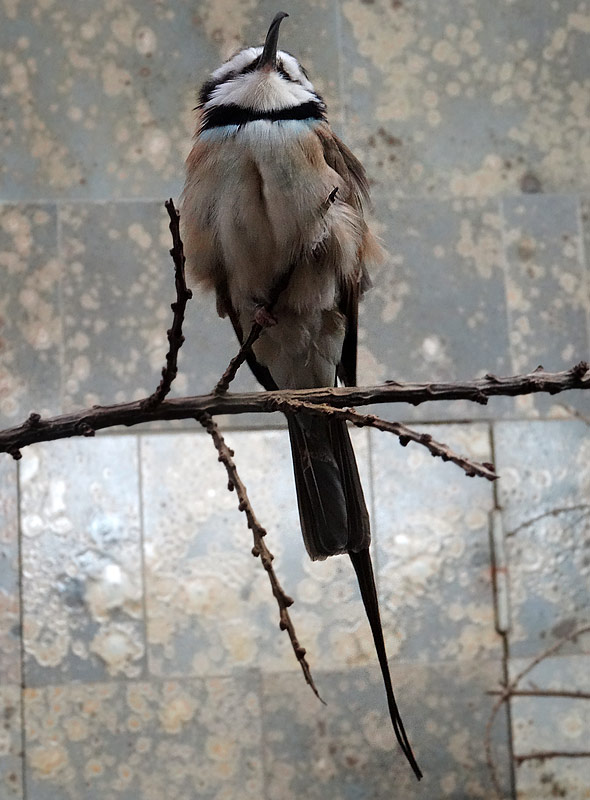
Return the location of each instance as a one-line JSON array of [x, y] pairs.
[[260, 549]]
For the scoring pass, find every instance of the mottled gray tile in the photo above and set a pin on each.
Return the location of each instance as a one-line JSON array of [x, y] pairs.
[[543, 492], [461, 97], [117, 296], [10, 743], [209, 602], [549, 724], [30, 322], [10, 641], [98, 100], [347, 748], [437, 309], [144, 740], [547, 291], [82, 581], [432, 543]]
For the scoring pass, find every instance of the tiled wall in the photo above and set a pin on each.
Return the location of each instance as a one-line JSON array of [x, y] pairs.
[[140, 655]]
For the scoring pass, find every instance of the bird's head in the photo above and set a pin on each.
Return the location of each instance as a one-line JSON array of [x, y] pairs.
[[260, 79]]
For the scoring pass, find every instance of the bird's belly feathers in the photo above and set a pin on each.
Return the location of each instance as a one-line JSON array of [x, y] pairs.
[[267, 187]]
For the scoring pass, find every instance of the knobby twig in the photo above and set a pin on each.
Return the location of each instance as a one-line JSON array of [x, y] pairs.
[[232, 368], [183, 295], [35, 429], [510, 690], [260, 549], [403, 432]]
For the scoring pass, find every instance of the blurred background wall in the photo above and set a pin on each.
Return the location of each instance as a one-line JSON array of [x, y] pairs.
[[140, 655]]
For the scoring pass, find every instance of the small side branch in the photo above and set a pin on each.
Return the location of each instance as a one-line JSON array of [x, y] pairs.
[[183, 295], [230, 373], [511, 690], [260, 549], [403, 432], [542, 755]]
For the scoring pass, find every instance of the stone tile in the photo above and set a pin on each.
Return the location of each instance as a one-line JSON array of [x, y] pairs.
[[116, 118], [432, 549], [82, 579], [437, 309], [117, 296], [552, 724], [133, 740], [30, 323], [548, 300], [347, 748], [209, 602], [461, 98], [10, 641], [11, 768], [543, 492]]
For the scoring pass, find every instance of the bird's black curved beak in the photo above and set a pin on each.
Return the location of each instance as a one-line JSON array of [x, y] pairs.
[[268, 59]]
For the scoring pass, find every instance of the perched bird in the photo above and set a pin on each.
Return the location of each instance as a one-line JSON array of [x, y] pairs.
[[270, 193]]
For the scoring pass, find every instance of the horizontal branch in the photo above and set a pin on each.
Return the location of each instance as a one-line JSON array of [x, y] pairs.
[[506, 694], [543, 755], [88, 421]]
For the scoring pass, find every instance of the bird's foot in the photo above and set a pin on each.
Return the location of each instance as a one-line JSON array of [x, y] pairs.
[[264, 317]]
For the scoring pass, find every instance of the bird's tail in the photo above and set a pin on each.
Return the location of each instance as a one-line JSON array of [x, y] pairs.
[[334, 519], [332, 510]]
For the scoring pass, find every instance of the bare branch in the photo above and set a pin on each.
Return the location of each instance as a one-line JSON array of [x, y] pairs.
[[403, 432], [257, 327], [508, 691], [542, 755], [553, 512], [260, 549], [83, 423], [541, 693], [230, 373], [183, 295]]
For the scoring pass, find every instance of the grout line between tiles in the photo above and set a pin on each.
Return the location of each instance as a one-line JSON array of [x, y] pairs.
[[583, 256], [340, 61], [505, 269], [505, 635], [61, 304], [21, 612], [142, 556], [440, 198]]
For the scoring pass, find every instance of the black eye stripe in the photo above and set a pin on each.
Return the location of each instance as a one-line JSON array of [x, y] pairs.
[[282, 71], [209, 86]]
